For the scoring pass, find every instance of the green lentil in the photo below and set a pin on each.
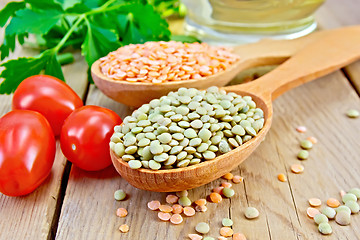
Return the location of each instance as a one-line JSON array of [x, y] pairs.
[[194, 161], [238, 130], [320, 218], [119, 149], [134, 164], [208, 155], [181, 155], [183, 193], [119, 195], [145, 164], [161, 158], [352, 113], [343, 208], [325, 228], [131, 149], [128, 157], [342, 218], [347, 197], [208, 238], [202, 227], [204, 134], [355, 191], [183, 163], [184, 201], [233, 142], [144, 142], [154, 165], [213, 148], [251, 131], [228, 192], [227, 222], [190, 150], [204, 124], [306, 144], [353, 205], [202, 148], [303, 155], [224, 146], [251, 213], [329, 212]]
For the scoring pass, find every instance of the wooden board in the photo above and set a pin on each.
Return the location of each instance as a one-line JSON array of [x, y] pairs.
[[84, 208]]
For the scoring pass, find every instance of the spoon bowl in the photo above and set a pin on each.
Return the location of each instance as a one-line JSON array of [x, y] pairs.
[[315, 60], [262, 53]]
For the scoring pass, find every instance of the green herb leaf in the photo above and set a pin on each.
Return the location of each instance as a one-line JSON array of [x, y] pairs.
[[98, 42], [44, 5], [144, 25], [29, 21], [9, 11], [19, 69], [68, 3], [53, 67], [184, 38]]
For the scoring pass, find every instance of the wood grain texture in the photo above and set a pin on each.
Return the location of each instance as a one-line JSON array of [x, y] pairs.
[[333, 165], [88, 210], [35, 216], [262, 53]]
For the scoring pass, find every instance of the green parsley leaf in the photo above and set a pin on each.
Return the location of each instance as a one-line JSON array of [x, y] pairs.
[[98, 42], [9, 11], [17, 70], [53, 67], [44, 5], [30, 21]]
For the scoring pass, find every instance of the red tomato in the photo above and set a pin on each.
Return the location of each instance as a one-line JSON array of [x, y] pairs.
[[27, 151], [85, 137], [49, 96]]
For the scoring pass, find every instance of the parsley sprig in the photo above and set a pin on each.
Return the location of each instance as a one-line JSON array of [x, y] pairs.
[[94, 26]]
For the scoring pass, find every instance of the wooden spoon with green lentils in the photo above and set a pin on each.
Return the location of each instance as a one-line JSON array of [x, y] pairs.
[[185, 128]]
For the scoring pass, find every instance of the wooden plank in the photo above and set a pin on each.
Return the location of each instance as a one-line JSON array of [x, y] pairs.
[[35, 216], [334, 14], [282, 205]]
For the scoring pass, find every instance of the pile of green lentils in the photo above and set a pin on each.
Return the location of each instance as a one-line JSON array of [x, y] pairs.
[[185, 128]]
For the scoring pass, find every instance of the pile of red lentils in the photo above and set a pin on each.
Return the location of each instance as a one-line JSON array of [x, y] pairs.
[[159, 62]]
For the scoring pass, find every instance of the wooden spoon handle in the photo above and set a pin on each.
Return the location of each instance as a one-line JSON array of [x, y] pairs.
[[330, 52]]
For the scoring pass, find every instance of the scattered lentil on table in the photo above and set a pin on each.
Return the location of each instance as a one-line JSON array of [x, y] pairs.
[[119, 195], [202, 227], [313, 140], [154, 205], [325, 228], [226, 232], [314, 202], [208, 123], [329, 212], [306, 144], [237, 179], [159, 62], [193, 236], [311, 212], [333, 202], [303, 155], [297, 168], [342, 218], [121, 212], [227, 222], [320, 218], [301, 129], [352, 113], [124, 228], [239, 236], [251, 213], [281, 177]]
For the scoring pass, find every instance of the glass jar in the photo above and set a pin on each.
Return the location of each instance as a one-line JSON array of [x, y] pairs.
[[243, 21]]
